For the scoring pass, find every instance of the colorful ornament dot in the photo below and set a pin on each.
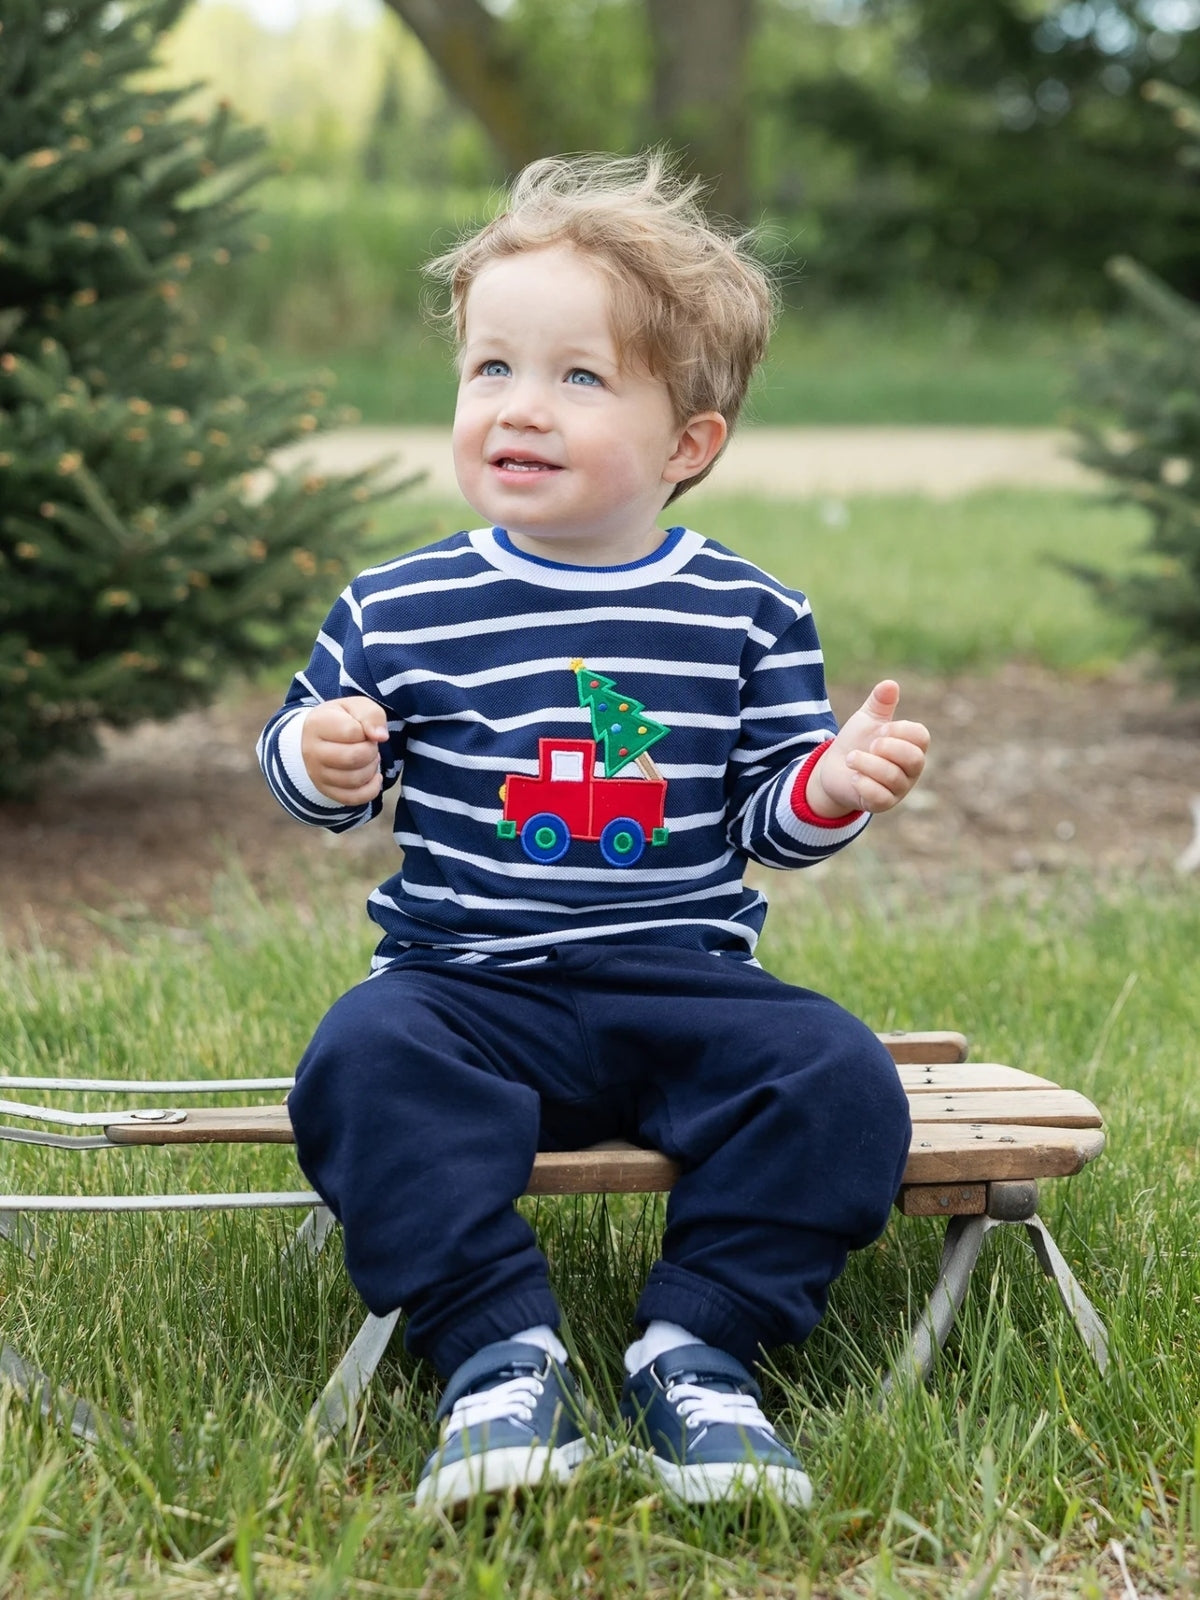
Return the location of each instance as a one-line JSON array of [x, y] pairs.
[[622, 752], [624, 706]]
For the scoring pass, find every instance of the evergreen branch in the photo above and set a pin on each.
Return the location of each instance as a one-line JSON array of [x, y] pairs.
[[1150, 292], [103, 509]]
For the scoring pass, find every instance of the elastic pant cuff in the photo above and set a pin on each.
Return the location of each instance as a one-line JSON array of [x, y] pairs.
[[715, 1316], [448, 1348]]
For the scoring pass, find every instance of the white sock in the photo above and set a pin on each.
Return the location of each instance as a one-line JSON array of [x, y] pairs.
[[658, 1337], [545, 1338]]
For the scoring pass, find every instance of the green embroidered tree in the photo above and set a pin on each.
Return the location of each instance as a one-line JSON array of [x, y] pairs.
[[619, 723]]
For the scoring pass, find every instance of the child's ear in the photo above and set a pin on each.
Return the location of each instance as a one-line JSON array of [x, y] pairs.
[[700, 438]]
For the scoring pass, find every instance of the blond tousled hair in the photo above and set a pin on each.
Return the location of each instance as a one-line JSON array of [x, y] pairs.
[[689, 300]]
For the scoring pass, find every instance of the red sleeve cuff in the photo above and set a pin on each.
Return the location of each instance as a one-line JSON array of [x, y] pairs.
[[799, 796]]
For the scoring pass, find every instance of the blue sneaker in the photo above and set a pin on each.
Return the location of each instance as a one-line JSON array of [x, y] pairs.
[[510, 1419], [698, 1411]]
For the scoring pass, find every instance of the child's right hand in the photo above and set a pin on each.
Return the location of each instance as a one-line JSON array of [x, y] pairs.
[[340, 745]]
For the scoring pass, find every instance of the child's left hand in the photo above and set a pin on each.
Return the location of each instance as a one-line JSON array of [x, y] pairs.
[[873, 762]]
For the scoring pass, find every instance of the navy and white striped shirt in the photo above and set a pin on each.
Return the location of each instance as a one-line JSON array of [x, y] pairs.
[[472, 647]]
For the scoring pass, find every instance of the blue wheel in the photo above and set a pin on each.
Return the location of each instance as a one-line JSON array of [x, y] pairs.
[[545, 837], [622, 842]]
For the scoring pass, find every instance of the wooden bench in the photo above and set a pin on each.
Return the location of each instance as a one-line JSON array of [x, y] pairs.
[[984, 1136]]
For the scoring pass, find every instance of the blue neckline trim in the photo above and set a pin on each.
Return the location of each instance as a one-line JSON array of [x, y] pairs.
[[673, 537]]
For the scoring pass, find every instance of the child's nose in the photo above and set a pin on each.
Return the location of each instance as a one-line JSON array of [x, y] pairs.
[[525, 406]]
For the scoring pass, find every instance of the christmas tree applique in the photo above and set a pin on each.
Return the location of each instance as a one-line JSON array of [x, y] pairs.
[[567, 801], [620, 725]]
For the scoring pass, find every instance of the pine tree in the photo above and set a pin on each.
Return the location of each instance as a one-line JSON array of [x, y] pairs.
[[1142, 429], [144, 553], [620, 725]]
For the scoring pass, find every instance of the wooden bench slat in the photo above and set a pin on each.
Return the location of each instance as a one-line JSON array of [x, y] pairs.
[[609, 1171], [210, 1125], [1041, 1102], [929, 1077], [1052, 1108], [950, 1153], [942, 1152], [937, 1045]]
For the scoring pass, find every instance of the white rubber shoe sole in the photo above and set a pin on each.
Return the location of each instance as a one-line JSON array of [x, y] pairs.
[[702, 1483], [492, 1472]]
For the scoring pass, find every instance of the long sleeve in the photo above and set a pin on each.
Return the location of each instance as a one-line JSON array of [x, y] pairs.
[[786, 718], [337, 668]]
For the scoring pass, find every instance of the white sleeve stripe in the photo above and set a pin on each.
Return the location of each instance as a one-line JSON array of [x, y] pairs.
[[793, 658], [808, 833], [797, 708], [415, 556], [476, 580], [810, 736], [289, 733]]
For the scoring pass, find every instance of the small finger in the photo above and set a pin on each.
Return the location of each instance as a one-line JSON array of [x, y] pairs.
[[914, 732], [874, 797], [350, 794], [349, 758], [909, 757], [869, 767]]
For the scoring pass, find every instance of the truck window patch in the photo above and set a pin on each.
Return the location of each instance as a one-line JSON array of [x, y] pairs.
[[566, 766]]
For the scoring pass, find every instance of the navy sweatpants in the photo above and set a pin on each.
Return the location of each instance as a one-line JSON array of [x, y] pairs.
[[427, 1091]]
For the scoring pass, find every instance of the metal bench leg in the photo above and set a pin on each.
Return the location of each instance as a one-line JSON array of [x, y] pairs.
[[960, 1251], [17, 1230], [309, 1238], [355, 1371], [1083, 1313], [84, 1421]]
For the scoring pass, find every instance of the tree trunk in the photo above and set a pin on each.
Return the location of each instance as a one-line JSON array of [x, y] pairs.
[[699, 97], [467, 46], [698, 102]]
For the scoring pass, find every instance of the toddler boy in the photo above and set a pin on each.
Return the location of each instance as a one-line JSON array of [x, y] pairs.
[[567, 953]]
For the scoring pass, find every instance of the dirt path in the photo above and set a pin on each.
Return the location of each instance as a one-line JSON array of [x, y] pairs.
[[782, 462]]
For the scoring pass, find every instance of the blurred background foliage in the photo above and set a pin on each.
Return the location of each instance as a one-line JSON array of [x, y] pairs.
[[939, 182]]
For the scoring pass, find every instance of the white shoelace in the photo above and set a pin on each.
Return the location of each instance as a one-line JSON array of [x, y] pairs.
[[701, 1407], [514, 1400]]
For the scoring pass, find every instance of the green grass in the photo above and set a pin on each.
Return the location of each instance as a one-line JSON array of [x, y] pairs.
[[898, 581], [1009, 1475]]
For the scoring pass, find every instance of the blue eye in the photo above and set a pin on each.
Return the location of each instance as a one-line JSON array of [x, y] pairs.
[[494, 369], [588, 380]]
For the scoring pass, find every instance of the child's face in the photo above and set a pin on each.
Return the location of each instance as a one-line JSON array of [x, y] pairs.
[[553, 440]]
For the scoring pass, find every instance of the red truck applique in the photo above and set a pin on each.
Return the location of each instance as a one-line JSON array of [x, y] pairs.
[[568, 801]]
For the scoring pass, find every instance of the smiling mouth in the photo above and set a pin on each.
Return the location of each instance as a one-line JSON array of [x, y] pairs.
[[523, 464]]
